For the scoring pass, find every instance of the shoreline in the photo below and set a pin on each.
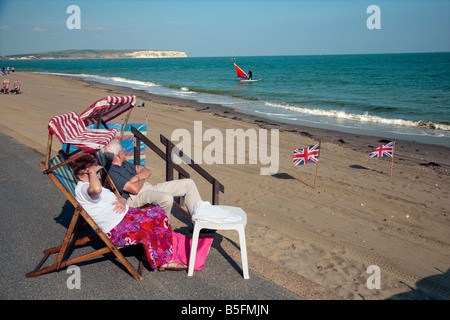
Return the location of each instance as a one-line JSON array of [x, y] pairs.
[[319, 242]]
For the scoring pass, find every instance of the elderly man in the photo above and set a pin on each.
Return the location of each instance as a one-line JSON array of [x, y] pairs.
[[130, 182]]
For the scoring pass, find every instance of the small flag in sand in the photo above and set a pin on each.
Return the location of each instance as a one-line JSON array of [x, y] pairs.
[[386, 150], [308, 155]]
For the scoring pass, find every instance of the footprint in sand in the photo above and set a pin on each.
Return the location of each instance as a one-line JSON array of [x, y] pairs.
[[298, 219]]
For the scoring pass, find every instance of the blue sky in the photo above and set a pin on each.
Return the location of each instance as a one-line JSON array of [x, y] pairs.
[[227, 28]]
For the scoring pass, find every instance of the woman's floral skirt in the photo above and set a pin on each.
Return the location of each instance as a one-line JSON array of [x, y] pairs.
[[149, 226]]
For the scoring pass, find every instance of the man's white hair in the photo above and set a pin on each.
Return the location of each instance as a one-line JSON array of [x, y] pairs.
[[112, 149]]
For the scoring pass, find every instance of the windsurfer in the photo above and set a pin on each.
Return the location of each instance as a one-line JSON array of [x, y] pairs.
[[249, 74]]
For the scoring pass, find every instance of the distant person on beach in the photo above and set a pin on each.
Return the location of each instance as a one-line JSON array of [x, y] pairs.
[[16, 89], [249, 74], [122, 224], [4, 88], [130, 181]]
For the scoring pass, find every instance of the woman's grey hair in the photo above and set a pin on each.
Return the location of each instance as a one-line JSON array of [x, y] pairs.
[[112, 149]]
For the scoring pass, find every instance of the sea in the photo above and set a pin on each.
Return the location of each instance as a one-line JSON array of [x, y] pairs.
[[394, 96]]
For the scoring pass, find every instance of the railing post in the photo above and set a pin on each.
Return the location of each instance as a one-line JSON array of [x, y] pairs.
[[137, 151], [169, 163], [215, 192]]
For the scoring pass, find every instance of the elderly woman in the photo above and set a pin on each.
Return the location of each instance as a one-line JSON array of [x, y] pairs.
[[122, 224]]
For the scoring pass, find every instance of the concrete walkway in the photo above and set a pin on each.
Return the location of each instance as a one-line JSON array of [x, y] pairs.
[[34, 216]]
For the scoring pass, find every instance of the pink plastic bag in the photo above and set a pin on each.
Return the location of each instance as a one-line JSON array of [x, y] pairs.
[[182, 249]]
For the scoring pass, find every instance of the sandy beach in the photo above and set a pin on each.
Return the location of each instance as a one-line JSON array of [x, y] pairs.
[[318, 243]]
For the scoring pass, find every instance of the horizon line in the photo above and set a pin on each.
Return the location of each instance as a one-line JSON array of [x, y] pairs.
[[232, 56]]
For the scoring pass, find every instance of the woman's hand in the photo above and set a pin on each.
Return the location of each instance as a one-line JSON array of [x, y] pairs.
[[94, 168], [120, 205]]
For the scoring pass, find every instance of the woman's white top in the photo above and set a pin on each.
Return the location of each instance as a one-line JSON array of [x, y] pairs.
[[101, 209]]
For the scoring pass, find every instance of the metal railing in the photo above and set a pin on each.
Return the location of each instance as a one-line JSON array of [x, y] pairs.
[[217, 187]]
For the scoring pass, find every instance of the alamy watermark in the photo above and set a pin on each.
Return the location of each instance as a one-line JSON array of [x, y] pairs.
[[234, 148], [74, 20], [374, 280], [73, 281], [374, 21]]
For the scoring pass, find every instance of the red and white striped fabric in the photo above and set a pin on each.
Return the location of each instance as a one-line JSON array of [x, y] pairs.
[[70, 129], [112, 107]]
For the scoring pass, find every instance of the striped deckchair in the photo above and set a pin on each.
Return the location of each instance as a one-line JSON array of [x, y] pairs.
[[70, 129], [106, 109], [61, 174], [128, 142]]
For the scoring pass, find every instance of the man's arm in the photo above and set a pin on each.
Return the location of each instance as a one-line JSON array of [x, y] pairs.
[[135, 184], [143, 172]]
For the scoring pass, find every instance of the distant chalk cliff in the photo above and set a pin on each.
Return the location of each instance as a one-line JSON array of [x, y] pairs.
[[97, 54], [156, 54]]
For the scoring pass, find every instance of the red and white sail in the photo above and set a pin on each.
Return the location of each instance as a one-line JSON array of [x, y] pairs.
[[240, 74]]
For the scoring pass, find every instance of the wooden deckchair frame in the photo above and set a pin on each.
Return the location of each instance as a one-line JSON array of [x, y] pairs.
[[71, 240]]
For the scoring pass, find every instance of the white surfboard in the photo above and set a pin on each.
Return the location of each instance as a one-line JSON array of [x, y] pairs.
[[250, 80]]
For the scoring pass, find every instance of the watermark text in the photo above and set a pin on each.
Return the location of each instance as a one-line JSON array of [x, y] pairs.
[[374, 21], [239, 145], [74, 20], [74, 281], [374, 280]]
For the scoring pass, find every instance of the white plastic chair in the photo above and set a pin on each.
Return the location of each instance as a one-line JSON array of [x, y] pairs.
[[238, 226]]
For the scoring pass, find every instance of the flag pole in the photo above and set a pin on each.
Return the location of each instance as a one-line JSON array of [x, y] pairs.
[[122, 130], [317, 166], [392, 160]]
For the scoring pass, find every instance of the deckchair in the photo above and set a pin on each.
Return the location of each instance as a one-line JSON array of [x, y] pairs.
[[127, 141], [70, 129], [5, 87], [64, 179], [107, 109]]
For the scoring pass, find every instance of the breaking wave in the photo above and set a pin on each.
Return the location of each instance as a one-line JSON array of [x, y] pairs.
[[364, 118]]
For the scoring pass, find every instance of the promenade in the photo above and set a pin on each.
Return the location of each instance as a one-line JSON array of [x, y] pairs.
[[34, 216]]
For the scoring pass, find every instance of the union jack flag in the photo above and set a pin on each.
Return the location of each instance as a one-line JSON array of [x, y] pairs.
[[385, 150], [307, 155]]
